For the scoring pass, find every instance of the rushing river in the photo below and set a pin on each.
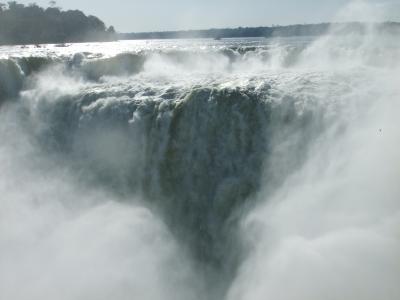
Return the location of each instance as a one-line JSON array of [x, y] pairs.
[[240, 169]]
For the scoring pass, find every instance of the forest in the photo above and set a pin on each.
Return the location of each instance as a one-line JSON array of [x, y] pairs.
[[31, 24], [267, 32]]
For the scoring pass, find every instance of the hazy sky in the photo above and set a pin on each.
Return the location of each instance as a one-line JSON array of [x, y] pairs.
[[150, 15]]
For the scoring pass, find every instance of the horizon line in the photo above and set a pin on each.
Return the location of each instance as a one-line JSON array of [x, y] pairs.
[[261, 26]]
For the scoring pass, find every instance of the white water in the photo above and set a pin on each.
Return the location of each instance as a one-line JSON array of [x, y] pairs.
[[214, 171]]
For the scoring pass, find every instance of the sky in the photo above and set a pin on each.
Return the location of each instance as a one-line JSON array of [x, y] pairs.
[[162, 15]]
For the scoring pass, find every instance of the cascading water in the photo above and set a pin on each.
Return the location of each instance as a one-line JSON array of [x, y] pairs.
[[246, 169]]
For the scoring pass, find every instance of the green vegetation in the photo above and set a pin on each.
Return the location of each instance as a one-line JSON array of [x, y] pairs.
[[267, 32], [31, 24], [20, 24]]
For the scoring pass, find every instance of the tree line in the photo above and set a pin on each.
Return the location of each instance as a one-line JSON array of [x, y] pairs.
[[32, 24], [267, 32]]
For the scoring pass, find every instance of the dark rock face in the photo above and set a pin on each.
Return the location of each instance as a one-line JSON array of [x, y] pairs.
[[11, 79]]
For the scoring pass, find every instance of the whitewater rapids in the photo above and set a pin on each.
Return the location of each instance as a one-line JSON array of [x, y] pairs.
[[237, 169]]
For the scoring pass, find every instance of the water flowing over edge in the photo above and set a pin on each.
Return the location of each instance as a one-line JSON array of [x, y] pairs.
[[244, 173]]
